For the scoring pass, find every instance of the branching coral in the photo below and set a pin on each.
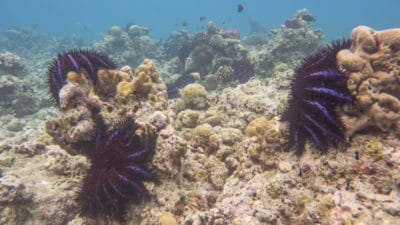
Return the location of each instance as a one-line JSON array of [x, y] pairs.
[[141, 84]]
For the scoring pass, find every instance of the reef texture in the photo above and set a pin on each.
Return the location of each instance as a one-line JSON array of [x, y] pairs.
[[220, 155], [90, 124], [10, 64], [215, 55], [290, 45], [116, 96], [17, 97], [30, 42], [372, 69], [128, 46]]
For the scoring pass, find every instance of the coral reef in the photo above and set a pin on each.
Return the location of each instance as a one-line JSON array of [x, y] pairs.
[[372, 66], [127, 47], [290, 44], [37, 185], [92, 102], [220, 155], [11, 64], [116, 97], [29, 42], [17, 97], [212, 54], [193, 96]]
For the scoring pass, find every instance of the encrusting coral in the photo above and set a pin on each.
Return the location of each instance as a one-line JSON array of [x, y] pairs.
[[372, 67]]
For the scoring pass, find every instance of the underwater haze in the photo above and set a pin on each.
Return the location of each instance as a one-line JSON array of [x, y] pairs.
[[89, 18]]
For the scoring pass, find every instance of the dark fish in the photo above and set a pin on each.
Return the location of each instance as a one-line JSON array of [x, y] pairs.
[[181, 82], [184, 24], [202, 18], [128, 25], [242, 71], [308, 18], [240, 8]]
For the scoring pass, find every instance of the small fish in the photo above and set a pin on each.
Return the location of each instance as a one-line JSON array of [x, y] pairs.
[[184, 24], [203, 18], [308, 18], [223, 22], [240, 8], [173, 89]]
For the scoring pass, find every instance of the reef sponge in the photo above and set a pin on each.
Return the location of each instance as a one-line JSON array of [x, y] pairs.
[[316, 90], [372, 66]]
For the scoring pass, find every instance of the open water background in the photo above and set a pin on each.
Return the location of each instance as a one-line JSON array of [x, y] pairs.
[[90, 18]]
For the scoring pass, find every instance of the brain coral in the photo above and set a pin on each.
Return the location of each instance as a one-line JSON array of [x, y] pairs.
[[372, 66]]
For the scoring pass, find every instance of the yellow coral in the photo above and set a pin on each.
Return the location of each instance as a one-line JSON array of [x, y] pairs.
[[187, 118], [145, 74], [204, 136], [265, 130], [167, 218], [194, 96], [373, 148], [109, 79], [257, 127]]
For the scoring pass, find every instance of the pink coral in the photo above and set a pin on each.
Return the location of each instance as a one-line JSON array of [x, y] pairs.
[[233, 32]]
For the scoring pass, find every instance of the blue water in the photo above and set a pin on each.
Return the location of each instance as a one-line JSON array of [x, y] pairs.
[[90, 18]]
